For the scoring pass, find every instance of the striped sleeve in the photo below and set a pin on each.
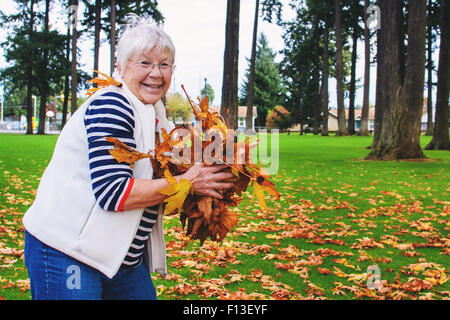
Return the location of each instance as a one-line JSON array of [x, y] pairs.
[[110, 115]]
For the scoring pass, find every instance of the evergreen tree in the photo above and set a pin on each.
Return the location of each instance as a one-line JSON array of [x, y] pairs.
[[22, 49], [268, 91], [116, 13], [301, 66]]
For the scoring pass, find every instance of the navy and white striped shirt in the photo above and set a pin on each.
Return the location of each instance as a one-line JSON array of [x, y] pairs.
[[134, 255], [111, 115]]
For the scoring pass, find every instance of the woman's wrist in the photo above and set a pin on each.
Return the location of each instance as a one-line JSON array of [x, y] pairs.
[[185, 176], [191, 174]]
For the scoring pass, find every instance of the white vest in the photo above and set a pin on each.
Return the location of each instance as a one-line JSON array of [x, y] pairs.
[[65, 214]]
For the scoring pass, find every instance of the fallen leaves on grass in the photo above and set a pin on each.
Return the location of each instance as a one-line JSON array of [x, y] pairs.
[[313, 243], [343, 250]]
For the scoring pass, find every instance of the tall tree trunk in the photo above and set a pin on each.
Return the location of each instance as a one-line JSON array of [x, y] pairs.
[[342, 128], [364, 127], [440, 140], [30, 74], [325, 73], [316, 77], [380, 93], [98, 16], [74, 77], [429, 131], [229, 105], [251, 77], [414, 80], [66, 80], [44, 75], [352, 93], [400, 136], [113, 37], [387, 35]]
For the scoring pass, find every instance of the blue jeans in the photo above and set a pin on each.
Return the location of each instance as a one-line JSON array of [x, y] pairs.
[[56, 276]]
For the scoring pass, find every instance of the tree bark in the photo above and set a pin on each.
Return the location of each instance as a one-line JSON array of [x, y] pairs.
[[400, 136], [113, 37], [98, 14], [74, 77], [440, 140], [316, 77], [414, 80], [66, 81], [44, 75], [325, 74], [380, 94], [251, 77], [364, 127], [342, 128], [229, 105], [352, 93], [30, 74], [429, 131]]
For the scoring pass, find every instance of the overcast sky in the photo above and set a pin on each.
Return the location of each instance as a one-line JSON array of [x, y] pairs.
[[197, 28], [198, 31]]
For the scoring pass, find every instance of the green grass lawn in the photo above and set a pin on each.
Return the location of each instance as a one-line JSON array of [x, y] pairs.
[[337, 216]]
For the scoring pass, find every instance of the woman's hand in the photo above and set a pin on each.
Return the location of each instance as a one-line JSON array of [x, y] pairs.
[[207, 180]]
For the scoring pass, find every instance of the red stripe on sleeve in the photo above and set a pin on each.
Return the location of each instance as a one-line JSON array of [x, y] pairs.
[[125, 195]]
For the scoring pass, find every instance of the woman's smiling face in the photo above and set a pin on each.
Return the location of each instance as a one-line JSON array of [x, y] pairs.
[[148, 75]]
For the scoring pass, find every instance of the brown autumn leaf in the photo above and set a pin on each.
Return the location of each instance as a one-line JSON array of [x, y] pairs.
[[280, 294], [324, 270], [236, 295], [204, 205], [123, 153], [415, 285]]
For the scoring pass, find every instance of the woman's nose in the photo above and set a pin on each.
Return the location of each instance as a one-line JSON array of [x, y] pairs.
[[155, 71]]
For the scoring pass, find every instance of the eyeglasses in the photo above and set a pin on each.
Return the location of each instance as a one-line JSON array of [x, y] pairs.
[[163, 67]]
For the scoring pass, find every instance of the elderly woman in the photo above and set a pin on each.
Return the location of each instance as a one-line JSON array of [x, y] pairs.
[[95, 228]]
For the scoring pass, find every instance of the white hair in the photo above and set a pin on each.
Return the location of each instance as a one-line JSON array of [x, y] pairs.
[[140, 35]]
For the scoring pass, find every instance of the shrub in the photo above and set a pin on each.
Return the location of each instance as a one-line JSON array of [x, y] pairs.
[[278, 118]]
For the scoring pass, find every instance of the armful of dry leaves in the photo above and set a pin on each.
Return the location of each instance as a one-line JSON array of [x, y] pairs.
[[205, 216]]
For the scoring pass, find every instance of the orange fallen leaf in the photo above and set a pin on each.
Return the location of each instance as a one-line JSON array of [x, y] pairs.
[[324, 270]]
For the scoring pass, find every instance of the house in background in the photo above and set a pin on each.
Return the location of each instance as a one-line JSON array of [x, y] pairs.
[[333, 122], [242, 115]]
